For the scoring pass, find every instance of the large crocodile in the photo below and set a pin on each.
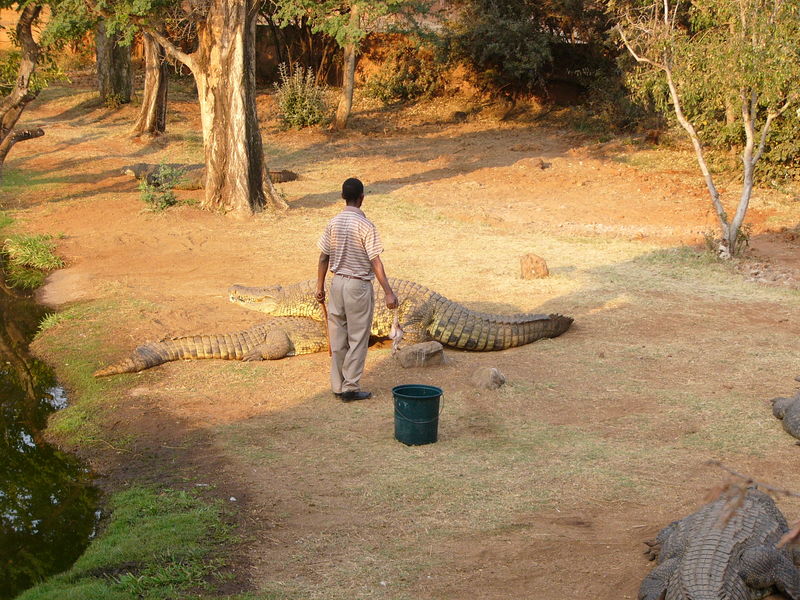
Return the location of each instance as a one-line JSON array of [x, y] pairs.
[[423, 315], [274, 338], [723, 551]]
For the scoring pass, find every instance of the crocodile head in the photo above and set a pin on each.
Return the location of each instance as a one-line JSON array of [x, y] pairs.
[[262, 299]]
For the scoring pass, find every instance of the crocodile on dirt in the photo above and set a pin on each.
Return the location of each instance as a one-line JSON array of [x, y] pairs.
[[274, 338], [423, 315], [723, 552], [193, 177]]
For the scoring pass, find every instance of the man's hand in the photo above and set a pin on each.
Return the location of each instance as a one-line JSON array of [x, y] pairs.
[[391, 300], [320, 296]]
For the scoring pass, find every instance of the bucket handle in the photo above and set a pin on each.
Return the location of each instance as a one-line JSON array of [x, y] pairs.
[[413, 422]]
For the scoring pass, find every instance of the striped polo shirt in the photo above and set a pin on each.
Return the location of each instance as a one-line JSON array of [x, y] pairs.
[[352, 241]]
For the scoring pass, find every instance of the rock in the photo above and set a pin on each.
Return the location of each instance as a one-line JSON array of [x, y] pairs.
[[426, 354], [488, 378], [533, 267]]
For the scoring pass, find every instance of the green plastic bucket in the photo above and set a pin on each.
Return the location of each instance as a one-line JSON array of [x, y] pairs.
[[416, 414]]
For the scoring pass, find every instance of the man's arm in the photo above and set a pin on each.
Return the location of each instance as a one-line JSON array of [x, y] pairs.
[[380, 274], [322, 271]]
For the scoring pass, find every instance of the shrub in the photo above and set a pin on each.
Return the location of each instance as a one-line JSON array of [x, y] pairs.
[[157, 187], [503, 44], [407, 74], [300, 99]]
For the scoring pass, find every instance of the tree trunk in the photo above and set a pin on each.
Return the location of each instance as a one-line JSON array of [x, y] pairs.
[[21, 95], [152, 118], [114, 69], [348, 78], [224, 70]]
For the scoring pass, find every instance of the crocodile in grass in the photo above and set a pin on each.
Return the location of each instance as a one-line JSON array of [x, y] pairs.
[[276, 337], [423, 315], [707, 556]]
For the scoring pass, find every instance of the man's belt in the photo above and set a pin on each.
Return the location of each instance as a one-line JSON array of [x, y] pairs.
[[351, 277]]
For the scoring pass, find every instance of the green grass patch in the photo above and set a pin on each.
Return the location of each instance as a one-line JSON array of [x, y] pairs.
[[34, 251], [156, 545], [77, 347], [51, 320], [28, 259]]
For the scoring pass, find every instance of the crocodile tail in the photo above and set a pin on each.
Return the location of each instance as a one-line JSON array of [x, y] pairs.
[[224, 346], [460, 327]]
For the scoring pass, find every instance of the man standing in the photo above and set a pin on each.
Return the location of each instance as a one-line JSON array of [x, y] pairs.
[[351, 248]]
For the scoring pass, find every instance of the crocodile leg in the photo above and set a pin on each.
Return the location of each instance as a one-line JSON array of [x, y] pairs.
[[654, 586], [764, 566], [276, 345]]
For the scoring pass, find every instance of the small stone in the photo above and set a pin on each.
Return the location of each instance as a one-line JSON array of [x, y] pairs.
[[488, 378], [533, 267], [426, 354]]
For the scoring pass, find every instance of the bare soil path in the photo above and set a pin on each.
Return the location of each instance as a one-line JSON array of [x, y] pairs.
[[543, 489]]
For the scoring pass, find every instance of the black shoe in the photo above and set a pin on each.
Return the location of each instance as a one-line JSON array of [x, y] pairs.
[[354, 395]]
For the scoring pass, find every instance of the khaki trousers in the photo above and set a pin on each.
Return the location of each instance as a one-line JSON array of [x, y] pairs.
[[350, 306]]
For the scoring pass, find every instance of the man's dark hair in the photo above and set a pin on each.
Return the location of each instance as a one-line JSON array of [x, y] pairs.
[[352, 189]]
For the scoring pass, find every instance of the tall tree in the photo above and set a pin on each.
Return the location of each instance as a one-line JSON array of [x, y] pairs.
[[223, 66], [114, 68], [24, 89], [717, 54]]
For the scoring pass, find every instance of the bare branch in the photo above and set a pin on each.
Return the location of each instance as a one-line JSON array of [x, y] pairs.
[[751, 481], [172, 49], [637, 58]]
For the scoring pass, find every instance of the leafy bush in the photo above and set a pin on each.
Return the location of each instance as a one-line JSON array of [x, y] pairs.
[[300, 99], [156, 188], [407, 74], [505, 47]]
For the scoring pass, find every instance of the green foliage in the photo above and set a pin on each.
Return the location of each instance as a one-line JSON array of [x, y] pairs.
[[47, 71], [504, 45], [155, 546], [720, 53], [36, 251], [332, 17], [157, 187], [408, 73], [300, 99]]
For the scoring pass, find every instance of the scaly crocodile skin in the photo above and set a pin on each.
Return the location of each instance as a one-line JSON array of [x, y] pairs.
[[705, 557], [271, 339], [423, 314]]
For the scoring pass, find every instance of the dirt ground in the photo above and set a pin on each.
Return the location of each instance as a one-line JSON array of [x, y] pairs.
[[545, 488]]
